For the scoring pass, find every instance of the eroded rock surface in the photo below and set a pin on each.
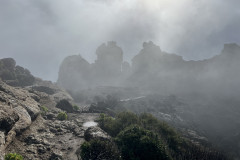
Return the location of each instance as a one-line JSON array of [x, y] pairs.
[[17, 110]]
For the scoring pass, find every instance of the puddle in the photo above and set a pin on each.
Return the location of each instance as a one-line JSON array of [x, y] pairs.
[[89, 124]]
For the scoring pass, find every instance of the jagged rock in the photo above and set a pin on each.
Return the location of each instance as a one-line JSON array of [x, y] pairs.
[[96, 133]]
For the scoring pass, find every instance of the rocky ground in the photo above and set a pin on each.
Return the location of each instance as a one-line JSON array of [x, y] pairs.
[[27, 130]]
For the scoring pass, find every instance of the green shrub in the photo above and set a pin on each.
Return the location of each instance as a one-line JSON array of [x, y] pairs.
[[145, 137], [75, 107], [138, 143], [114, 125], [99, 149], [62, 116], [44, 110], [13, 156]]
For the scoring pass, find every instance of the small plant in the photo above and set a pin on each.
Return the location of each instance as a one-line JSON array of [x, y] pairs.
[[75, 107], [99, 149], [44, 110], [13, 156], [62, 116]]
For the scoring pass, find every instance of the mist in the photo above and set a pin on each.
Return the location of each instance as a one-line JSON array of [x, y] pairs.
[[40, 34], [177, 60]]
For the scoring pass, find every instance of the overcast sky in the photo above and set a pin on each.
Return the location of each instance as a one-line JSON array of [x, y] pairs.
[[39, 34]]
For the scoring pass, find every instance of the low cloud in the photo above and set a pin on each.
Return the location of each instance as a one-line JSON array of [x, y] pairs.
[[40, 34]]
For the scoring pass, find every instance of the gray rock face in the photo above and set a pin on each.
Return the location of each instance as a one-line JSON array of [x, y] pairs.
[[17, 110]]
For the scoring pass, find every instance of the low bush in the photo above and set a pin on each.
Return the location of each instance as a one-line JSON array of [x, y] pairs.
[[76, 108], [136, 142], [134, 137], [44, 110], [99, 149], [13, 156], [62, 116]]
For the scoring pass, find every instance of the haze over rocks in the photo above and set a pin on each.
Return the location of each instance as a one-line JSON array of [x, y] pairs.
[[154, 70]]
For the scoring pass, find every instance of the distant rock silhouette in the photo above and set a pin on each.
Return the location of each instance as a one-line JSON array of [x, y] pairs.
[[153, 70], [109, 58], [107, 67], [74, 73]]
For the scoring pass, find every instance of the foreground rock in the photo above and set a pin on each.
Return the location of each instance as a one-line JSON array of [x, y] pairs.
[[25, 131], [18, 110]]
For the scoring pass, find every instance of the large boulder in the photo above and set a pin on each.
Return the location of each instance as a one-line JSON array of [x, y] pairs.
[[65, 105], [15, 75], [96, 133]]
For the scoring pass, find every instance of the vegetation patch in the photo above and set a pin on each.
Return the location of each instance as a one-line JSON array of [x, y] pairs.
[[144, 137], [76, 108], [99, 149], [62, 116], [13, 156], [44, 110]]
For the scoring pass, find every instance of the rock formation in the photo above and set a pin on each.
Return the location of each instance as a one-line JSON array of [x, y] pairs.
[[152, 70], [76, 73], [109, 59], [15, 75]]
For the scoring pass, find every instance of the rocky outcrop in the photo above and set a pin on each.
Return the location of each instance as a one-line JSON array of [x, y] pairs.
[[15, 75], [25, 131], [18, 110]]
